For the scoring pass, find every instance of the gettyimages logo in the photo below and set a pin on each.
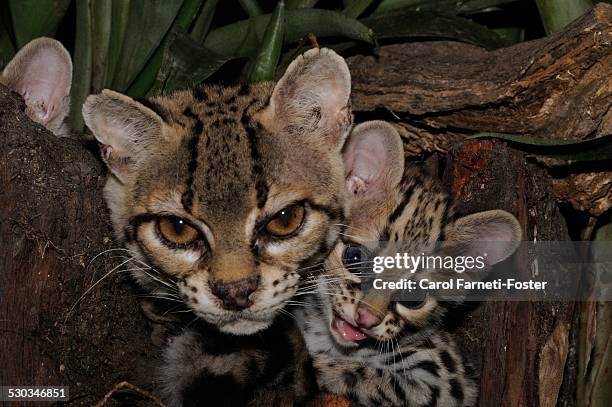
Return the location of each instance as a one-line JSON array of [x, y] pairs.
[[412, 264], [483, 271]]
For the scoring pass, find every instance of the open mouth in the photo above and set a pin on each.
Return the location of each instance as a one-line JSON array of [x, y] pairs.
[[346, 331]]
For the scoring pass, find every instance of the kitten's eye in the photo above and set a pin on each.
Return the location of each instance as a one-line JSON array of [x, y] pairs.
[[410, 299], [177, 231], [354, 257], [286, 221]]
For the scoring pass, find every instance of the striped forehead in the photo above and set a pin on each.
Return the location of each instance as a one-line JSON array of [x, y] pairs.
[[221, 170], [219, 158]]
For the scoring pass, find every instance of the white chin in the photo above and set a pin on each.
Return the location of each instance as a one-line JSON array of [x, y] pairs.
[[243, 327]]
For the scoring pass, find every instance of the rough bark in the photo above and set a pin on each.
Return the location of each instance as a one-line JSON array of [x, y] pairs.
[[557, 87], [53, 222], [521, 350]]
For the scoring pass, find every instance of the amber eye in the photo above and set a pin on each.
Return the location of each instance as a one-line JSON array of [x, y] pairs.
[[177, 231], [286, 221]]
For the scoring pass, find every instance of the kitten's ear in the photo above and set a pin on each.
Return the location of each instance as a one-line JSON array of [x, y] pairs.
[[496, 233], [124, 128], [488, 237], [42, 73], [373, 158], [312, 98]]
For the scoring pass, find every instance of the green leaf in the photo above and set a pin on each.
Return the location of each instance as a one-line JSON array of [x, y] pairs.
[[187, 14], [511, 35], [101, 33], [477, 6], [146, 78], [427, 24], [5, 19], [598, 149], [186, 63], [202, 23], [148, 22], [36, 18], [357, 7], [251, 7], [119, 22], [6, 45], [293, 4], [269, 52], [557, 14], [82, 64], [248, 49], [227, 40], [441, 6]]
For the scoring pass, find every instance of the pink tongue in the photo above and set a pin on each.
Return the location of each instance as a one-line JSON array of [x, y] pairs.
[[347, 331]]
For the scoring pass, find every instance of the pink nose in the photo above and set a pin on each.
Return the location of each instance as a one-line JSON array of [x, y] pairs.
[[366, 318]]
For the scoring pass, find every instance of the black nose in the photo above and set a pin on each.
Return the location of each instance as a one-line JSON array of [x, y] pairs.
[[235, 295]]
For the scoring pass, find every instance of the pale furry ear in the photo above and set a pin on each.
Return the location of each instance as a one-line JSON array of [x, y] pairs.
[[41, 73], [312, 98], [124, 128], [496, 233], [373, 158]]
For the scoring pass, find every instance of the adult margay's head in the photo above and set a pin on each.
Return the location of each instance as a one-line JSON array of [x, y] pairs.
[[225, 195]]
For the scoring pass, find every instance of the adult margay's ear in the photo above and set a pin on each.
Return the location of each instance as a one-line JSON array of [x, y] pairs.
[[125, 129], [312, 98], [41, 72], [373, 158]]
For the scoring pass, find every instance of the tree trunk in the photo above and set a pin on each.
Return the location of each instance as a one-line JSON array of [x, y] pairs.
[[522, 350], [52, 225]]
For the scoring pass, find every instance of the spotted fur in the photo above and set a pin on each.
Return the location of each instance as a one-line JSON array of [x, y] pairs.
[[203, 366], [401, 356]]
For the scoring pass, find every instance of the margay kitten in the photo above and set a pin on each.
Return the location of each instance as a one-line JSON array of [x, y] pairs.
[[222, 195], [384, 348]]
